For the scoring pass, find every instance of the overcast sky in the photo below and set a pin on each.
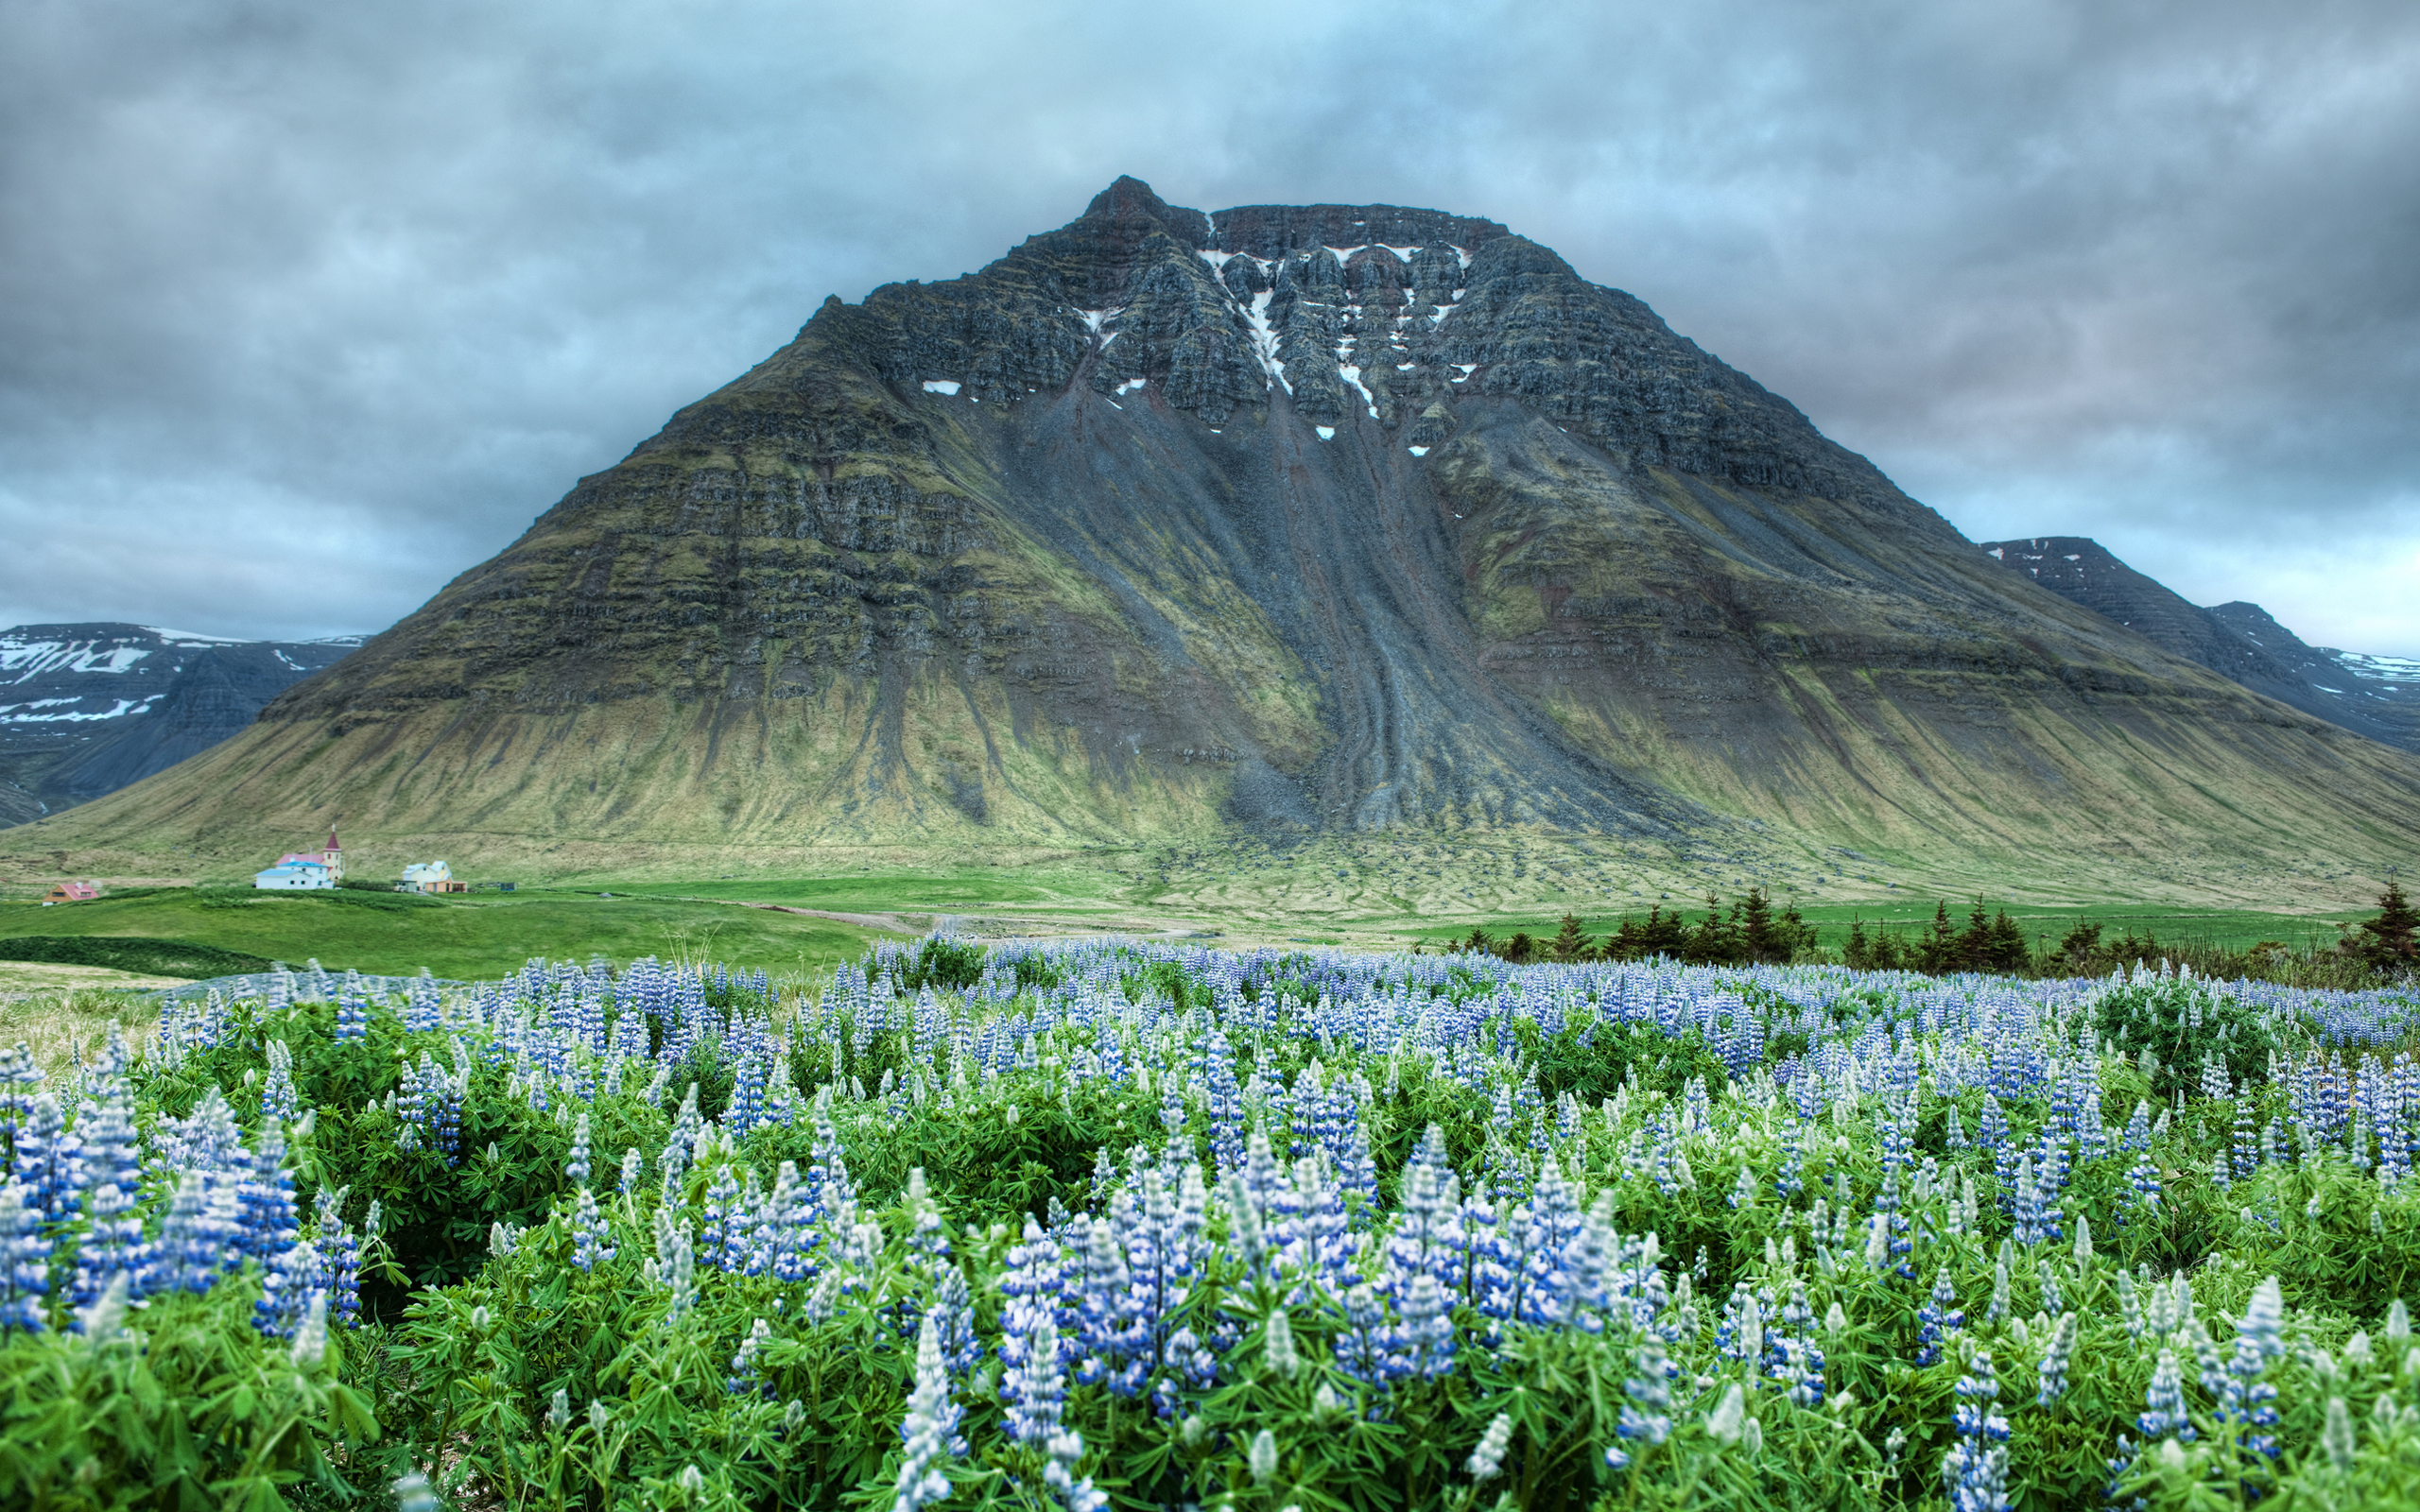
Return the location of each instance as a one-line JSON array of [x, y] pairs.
[[306, 308]]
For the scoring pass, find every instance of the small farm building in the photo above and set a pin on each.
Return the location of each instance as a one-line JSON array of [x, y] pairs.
[[72, 892], [430, 876], [294, 876]]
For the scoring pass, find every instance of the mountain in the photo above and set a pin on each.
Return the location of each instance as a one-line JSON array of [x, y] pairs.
[[87, 709], [1282, 522], [2385, 690], [2240, 642]]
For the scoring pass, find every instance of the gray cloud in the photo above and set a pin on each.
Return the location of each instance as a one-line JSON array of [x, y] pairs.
[[304, 309]]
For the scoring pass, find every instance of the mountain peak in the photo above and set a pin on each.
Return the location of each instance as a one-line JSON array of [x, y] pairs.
[[1355, 517], [1130, 198]]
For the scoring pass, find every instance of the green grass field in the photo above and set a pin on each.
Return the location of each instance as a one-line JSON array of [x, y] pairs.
[[476, 935], [488, 934]]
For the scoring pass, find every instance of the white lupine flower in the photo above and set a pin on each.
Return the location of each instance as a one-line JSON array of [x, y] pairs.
[[106, 1318], [311, 1339], [1262, 1458], [931, 1426], [1725, 1421], [413, 1495], [1487, 1460], [1279, 1346], [2336, 1437]]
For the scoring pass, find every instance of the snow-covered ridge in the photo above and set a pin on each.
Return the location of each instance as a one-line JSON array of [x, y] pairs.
[[2396, 671], [66, 677], [45, 710], [31, 659]]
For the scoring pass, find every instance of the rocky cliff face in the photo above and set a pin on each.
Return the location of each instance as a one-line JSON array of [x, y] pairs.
[[1282, 518], [87, 709], [2240, 642]]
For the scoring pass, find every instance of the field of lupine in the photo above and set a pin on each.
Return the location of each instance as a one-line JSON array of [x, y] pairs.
[[1103, 1225]]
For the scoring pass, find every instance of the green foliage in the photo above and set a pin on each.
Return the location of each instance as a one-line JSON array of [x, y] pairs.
[[151, 957], [941, 962], [521, 1380], [180, 1406], [1751, 932], [2386, 942], [1595, 1060], [2180, 1023]]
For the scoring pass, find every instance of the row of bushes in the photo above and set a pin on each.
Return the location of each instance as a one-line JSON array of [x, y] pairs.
[[1751, 931]]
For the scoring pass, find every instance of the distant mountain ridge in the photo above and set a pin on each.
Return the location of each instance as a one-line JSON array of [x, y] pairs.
[[1297, 520], [87, 709], [2377, 696]]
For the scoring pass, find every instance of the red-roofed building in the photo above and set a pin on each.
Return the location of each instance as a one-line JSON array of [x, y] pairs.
[[72, 892], [332, 858]]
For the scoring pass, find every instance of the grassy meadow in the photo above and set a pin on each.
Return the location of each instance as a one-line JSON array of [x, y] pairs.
[[1367, 894], [476, 934]]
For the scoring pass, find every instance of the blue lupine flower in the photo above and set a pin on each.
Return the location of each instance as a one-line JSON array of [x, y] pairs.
[[21, 1079], [1975, 1472], [340, 1254], [1426, 1335], [265, 1200], [112, 1243], [2055, 1358], [743, 1379], [1647, 1415], [1938, 1320], [1800, 1368], [49, 1160], [1100, 1289], [197, 1237], [2245, 1397], [2164, 1414], [286, 1287], [722, 1241], [948, 1298], [1792, 1177], [589, 1232], [279, 1104], [1034, 1382], [24, 1258]]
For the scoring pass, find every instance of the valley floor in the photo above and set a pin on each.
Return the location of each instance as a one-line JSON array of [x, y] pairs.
[[800, 914]]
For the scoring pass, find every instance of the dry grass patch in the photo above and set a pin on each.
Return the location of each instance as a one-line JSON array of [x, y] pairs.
[[56, 1023]]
